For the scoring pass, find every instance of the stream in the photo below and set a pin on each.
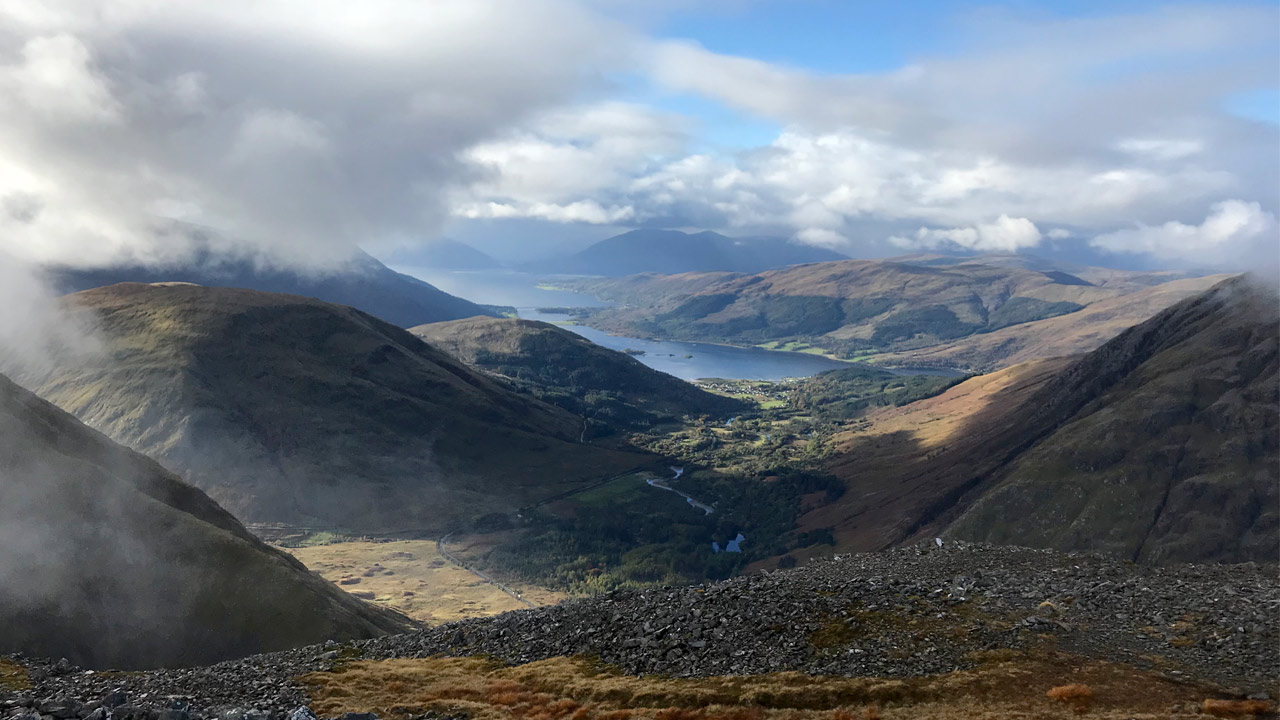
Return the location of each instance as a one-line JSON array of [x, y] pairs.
[[660, 484]]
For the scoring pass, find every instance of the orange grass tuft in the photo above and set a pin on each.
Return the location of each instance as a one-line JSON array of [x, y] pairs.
[[1236, 708], [1076, 696]]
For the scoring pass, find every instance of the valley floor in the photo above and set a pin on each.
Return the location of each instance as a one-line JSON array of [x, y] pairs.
[[411, 576]]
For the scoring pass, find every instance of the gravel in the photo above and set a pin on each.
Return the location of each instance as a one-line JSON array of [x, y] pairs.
[[912, 611]]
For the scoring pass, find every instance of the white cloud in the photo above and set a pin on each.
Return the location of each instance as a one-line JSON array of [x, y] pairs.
[[302, 128], [1160, 149], [1077, 122], [1233, 229], [1004, 234]]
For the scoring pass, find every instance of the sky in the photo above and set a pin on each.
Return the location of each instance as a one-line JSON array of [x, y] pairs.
[[1129, 133]]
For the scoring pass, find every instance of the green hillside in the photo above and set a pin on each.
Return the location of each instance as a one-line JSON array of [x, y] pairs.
[[610, 388], [291, 410]]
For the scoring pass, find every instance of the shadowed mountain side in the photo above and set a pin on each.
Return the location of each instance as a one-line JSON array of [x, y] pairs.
[[848, 308], [1160, 446], [1175, 456], [362, 283], [573, 372], [1069, 334], [288, 409], [111, 561]]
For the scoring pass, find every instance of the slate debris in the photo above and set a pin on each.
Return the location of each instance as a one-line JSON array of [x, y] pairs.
[[911, 611]]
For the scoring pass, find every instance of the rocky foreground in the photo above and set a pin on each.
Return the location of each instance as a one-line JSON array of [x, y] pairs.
[[909, 612]]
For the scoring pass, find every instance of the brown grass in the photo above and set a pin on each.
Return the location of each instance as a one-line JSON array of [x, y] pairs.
[[13, 677], [1075, 696], [412, 577], [1003, 685], [1236, 708]]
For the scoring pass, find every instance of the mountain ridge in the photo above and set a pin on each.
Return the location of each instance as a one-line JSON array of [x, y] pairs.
[[1072, 454], [675, 251], [363, 283], [289, 409]]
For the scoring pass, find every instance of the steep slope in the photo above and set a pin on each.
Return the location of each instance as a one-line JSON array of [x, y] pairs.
[[673, 251], [607, 386], [288, 409], [111, 561], [1070, 334], [849, 308], [1160, 446], [1173, 456], [362, 283]]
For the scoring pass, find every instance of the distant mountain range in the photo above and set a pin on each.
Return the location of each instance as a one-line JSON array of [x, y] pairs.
[[1160, 446], [111, 561], [362, 283], [291, 410], [611, 388], [851, 308], [673, 251]]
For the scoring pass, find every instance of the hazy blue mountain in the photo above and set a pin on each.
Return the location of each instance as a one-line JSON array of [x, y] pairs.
[[364, 283], [673, 251], [453, 255]]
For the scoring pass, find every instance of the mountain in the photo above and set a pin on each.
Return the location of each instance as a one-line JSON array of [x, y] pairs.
[[1068, 271], [673, 251], [1069, 334], [290, 410], [1160, 446], [566, 369], [362, 283], [111, 561], [446, 254], [850, 308]]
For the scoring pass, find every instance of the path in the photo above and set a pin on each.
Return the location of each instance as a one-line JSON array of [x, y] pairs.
[[440, 546]]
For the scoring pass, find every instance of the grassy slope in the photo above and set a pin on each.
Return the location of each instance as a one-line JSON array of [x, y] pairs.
[[1159, 446], [895, 463], [1001, 686], [110, 560], [572, 371], [1175, 460], [850, 307], [288, 409], [1068, 334]]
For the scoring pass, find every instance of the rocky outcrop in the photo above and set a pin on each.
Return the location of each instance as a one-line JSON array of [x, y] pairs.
[[913, 611]]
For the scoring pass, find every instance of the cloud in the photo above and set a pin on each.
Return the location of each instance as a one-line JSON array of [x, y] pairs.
[[1089, 123], [1233, 230], [1004, 234], [297, 129]]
